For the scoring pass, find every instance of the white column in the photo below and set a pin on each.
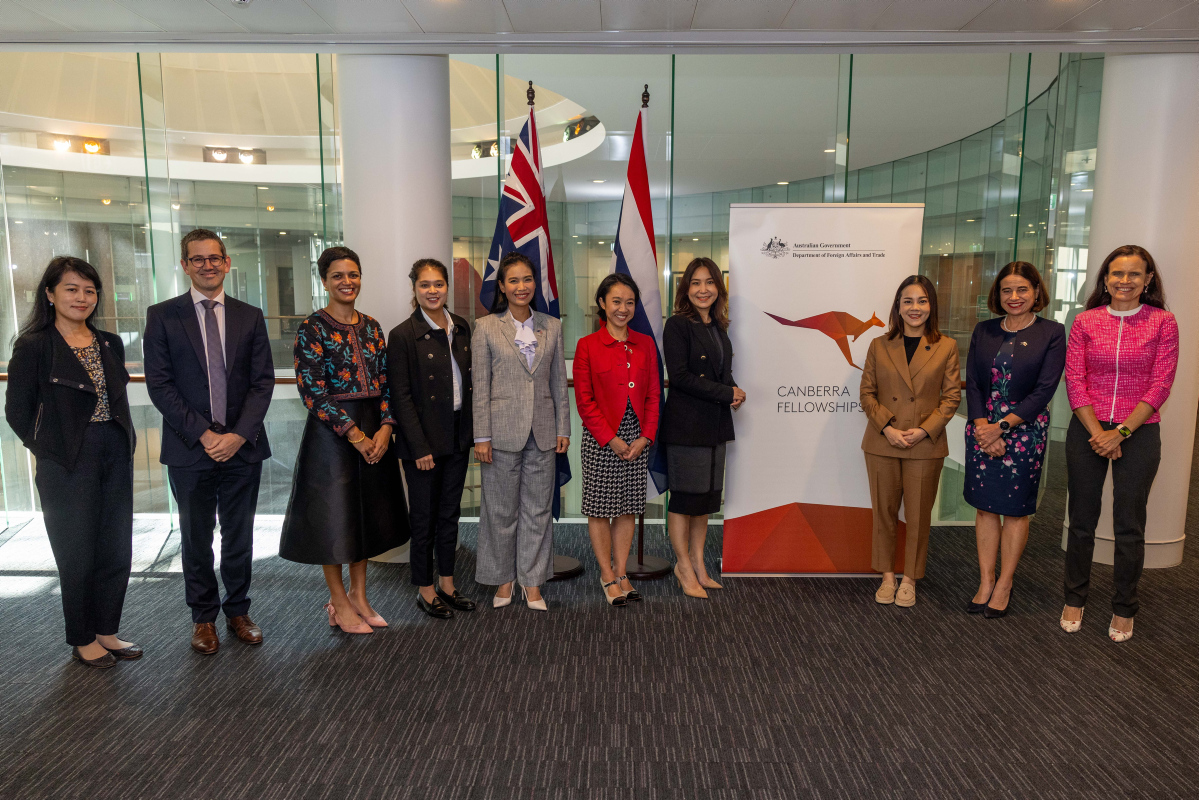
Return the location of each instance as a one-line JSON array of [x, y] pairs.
[[1147, 193], [394, 116]]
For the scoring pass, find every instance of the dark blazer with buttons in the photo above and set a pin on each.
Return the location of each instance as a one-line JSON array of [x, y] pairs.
[[422, 387], [177, 378], [51, 397], [698, 409], [923, 394], [1037, 366]]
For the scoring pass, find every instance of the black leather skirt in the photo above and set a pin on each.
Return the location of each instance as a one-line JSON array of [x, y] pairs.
[[342, 509]]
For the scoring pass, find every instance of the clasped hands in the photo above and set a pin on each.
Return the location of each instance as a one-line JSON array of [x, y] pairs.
[[738, 398], [628, 451], [1107, 443], [904, 439], [990, 438], [221, 446], [371, 448]]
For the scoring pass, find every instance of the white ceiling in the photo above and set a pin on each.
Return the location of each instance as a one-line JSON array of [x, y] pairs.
[[533, 25]]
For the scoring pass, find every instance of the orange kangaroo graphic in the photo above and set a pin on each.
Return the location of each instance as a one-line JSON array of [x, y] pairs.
[[838, 326]]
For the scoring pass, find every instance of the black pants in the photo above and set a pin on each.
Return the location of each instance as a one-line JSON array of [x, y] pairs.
[[204, 492], [88, 513], [1132, 478], [434, 502]]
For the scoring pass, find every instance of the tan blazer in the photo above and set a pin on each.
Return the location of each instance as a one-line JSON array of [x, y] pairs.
[[922, 394]]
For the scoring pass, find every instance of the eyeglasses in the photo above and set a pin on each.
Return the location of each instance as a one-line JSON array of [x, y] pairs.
[[212, 261]]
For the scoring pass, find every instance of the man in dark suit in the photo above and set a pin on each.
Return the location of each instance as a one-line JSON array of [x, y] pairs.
[[209, 372]]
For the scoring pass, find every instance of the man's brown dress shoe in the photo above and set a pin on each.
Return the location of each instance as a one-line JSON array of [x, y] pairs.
[[244, 628], [204, 639]]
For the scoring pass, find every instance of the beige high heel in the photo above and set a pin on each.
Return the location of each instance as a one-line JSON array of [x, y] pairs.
[[698, 593], [1071, 626], [536, 605], [1117, 635], [335, 622]]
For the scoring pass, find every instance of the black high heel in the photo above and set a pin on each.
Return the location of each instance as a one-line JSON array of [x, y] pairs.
[[994, 613], [977, 608]]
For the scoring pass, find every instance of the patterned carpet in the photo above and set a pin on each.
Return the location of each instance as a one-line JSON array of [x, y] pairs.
[[774, 688]]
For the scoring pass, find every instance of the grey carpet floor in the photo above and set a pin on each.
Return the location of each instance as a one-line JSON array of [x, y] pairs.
[[773, 688]]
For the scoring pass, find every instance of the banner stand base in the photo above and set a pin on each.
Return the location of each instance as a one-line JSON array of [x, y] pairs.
[[566, 567], [875, 575], [648, 567]]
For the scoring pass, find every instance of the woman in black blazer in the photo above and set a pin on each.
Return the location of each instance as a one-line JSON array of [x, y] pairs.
[[67, 403], [428, 365], [698, 418], [1012, 370]]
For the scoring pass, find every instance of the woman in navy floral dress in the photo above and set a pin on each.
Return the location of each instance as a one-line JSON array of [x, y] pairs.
[[347, 501], [1012, 371]]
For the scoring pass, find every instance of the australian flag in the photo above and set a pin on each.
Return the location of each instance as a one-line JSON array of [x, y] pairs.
[[523, 226]]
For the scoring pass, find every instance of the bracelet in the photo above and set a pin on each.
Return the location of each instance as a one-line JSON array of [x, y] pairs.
[[356, 441]]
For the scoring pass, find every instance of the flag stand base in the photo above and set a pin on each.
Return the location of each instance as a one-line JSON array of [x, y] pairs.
[[645, 567], [566, 567]]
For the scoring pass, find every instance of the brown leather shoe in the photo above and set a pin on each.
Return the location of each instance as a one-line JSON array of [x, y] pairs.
[[244, 628], [204, 640]]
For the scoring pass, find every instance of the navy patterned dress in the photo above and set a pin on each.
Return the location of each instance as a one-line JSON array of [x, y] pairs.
[[1006, 485], [342, 510]]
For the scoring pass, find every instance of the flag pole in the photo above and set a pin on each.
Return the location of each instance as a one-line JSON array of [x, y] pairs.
[[646, 567]]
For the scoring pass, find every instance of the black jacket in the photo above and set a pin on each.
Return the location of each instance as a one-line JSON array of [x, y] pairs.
[[177, 378], [422, 387], [698, 404], [1040, 358], [51, 397]]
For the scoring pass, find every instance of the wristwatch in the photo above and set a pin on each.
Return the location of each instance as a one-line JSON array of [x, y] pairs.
[[1004, 425], [1125, 431]]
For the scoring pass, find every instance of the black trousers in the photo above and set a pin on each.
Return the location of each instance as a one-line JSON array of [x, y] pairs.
[[434, 503], [1132, 478], [88, 513], [205, 492]]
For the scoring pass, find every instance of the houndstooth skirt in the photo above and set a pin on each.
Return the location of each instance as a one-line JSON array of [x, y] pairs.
[[612, 487]]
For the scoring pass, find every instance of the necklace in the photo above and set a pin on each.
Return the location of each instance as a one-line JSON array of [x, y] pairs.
[[1003, 325]]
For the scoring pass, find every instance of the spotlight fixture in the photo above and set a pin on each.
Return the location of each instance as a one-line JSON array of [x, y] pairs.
[[477, 151], [494, 150], [175, 206], [270, 208], [246, 156], [597, 181], [264, 188], [106, 200], [91, 147], [282, 233], [579, 126], [784, 183], [62, 144], [219, 155], [831, 150]]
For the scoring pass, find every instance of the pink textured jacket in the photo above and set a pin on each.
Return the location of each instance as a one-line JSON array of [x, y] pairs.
[[1115, 361]]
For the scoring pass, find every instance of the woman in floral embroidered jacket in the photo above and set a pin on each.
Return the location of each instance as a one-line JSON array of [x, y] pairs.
[[347, 501], [1014, 366]]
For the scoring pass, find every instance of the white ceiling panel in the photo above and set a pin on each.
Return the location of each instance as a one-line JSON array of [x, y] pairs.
[[1123, 15], [365, 16], [929, 15], [460, 16], [856, 15], [273, 16], [18, 19], [639, 15], [1184, 19], [187, 17], [1027, 15], [542, 16], [725, 15], [91, 15]]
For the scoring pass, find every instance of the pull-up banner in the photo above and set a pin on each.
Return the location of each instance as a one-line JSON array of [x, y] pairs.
[[810, 285]]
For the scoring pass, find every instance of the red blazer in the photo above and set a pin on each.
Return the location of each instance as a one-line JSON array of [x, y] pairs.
[[607, 374]]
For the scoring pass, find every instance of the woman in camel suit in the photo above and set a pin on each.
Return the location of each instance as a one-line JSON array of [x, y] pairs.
[[911, 387]]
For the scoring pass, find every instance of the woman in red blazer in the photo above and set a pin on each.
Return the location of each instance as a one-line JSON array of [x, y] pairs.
[[617, 393]]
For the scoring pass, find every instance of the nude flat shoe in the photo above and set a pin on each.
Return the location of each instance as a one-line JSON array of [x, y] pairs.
[[905, 597], [885, 595]]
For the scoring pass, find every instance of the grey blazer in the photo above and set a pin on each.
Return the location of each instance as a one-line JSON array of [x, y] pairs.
[[510, 399]]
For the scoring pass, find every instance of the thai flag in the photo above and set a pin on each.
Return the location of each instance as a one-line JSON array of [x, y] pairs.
[[635, 255], [523, 225]]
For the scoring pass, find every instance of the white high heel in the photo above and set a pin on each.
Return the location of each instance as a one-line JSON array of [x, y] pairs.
[[500, 602], [536, 605], [1118, 636], [1071, 626]]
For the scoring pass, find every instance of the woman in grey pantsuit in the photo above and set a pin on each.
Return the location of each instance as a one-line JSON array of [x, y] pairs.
[[521, 420]]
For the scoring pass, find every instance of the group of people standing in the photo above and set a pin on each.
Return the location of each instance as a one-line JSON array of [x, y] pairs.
[[416, 400], [421, 398], [1119, 363]]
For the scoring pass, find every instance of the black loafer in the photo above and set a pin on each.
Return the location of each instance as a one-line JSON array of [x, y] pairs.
[[435, 609], [103, 662], [129, 653], [456, 600]]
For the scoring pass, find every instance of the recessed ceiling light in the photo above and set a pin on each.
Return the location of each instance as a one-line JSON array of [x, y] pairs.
[[264, 188], [62, 145], [270, 208], [783, 183], [695, 240], [106, 200], [833, 150], [282, 233], [598, 182], [599, 242], [175, 206]]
